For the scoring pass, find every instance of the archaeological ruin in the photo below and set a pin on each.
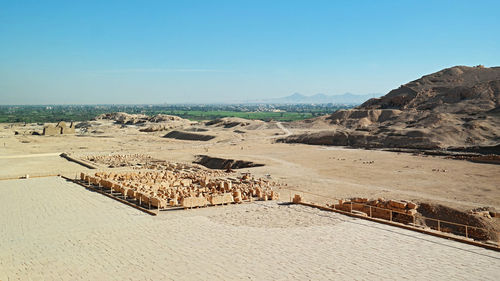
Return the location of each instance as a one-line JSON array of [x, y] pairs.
[[164, 185], [60, 129]]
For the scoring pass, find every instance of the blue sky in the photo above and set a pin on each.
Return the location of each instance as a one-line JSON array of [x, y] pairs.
[[214, 51]]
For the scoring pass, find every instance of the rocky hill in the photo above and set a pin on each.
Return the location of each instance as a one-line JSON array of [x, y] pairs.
[[159, 122], [459, 89], [458, 107]]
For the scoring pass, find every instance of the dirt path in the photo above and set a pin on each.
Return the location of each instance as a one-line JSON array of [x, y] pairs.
[[285, 130]]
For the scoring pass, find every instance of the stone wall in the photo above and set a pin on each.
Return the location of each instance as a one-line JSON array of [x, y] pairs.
[[50, 130], [60, 129]]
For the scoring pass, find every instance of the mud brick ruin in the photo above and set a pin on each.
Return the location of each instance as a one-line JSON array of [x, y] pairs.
[[60, 129]]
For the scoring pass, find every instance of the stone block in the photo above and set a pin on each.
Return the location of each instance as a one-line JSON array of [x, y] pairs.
[[106, 183], [124, 191], [297, 199], [411, 205], [237, 196], [411, 212], [94, 180], [216, 199], [189, 202], [145, 198], [359, 200], [382, 214], [117, 187], [227, 198], [200, 201], [397, 204], [357, 206], [275, 195], [131, 193], [158, 202]]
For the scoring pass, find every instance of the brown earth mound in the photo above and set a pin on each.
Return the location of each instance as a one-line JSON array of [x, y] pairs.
[[478, 224], [457, 107], [188, 136], [485, 227]]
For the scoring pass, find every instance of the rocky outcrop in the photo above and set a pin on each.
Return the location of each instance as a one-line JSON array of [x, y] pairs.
[[458, 89], [160, 122], [125, 118], [457, 107]]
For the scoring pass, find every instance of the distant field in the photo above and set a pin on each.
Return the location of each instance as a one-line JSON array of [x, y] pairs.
[[42, 114], [191, 115], [209, 115]]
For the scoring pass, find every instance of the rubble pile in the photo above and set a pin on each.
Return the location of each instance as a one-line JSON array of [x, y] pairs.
[[181, 185], [120, 160], [402, 211], [158, 122]]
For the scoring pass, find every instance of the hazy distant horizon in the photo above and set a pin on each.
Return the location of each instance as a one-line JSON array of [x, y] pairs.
[[103, 52], [262, 101]]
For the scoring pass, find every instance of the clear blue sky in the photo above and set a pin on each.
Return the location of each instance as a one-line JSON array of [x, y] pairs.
[[213, 51]]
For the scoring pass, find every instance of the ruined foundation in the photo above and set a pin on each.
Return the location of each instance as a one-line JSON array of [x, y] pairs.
[[181, 185]]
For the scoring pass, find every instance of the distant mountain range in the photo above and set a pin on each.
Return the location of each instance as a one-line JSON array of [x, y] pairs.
[[346, 98]]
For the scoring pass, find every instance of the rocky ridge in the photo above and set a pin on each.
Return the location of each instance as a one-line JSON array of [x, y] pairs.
[[159, 122], [457, 107]]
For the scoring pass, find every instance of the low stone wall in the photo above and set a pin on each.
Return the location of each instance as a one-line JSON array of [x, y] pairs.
[[398, 211]]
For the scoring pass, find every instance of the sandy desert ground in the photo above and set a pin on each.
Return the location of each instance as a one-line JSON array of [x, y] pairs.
[[54, 229], [329, 171]]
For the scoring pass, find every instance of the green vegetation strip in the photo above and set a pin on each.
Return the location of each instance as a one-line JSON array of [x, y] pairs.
[[55, 113]]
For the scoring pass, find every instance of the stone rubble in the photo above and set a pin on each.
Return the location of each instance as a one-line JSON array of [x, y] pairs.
[[403, 211], [182, 185], [120, 160]]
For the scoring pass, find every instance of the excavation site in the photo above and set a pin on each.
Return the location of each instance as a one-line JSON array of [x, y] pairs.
[[249, 140]]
